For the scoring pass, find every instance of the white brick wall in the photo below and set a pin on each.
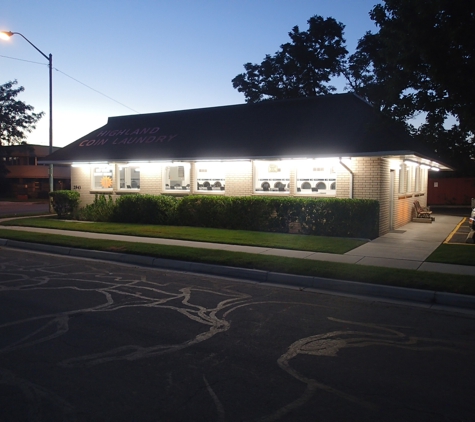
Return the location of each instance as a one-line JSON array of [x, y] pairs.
[[370, 181]]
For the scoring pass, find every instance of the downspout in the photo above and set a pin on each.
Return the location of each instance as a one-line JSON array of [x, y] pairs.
[[352, 176]]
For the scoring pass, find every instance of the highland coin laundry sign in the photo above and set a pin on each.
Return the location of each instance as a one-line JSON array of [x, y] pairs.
[[147, 135]]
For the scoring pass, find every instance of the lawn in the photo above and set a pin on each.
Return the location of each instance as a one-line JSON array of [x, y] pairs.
[[377, 275], [454, 254], [233, 237]]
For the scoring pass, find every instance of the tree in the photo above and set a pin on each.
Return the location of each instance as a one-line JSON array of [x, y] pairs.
[[301, 68], [422, 62], [16, 118]]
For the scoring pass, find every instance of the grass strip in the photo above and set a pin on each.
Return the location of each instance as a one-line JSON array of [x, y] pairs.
[[453, 254], [352, 272], [233, 237]]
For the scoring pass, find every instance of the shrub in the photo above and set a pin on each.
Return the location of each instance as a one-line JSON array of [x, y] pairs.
[[64, 202], [323, 217], [100, 210], [144, 209]]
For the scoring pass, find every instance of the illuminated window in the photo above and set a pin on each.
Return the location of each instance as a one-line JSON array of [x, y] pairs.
[[129, 177], [177, 177], [210, 177], [271, 176], [102, 177], [316, 177]]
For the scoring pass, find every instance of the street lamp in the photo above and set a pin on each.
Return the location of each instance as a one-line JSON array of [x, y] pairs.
[[6, 35]]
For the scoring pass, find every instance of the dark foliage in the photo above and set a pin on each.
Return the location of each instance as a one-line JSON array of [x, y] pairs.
[[301, 68], [421, 63], [325, 217], [65, 202], [144, 209]]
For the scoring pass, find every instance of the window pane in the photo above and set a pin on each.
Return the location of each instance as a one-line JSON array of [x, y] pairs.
[[102, 177], [316, 177], [129, 177], [177, 176], [271, 176], [210, 176]]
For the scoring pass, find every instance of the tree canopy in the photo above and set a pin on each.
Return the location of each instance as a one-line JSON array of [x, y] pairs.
[[418, 68], [421, 62], [17, 119], [301, 68]]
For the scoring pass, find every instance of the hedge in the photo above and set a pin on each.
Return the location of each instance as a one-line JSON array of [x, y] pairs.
[[145, 209], [64, 202], [322, 217]]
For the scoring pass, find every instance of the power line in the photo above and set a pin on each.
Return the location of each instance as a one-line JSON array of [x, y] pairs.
[[74, 79], [95, 90]]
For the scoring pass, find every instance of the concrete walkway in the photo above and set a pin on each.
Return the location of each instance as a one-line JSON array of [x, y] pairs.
[[407, 247]]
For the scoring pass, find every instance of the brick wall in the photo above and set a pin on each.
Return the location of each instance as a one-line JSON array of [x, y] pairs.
[[371, 181]]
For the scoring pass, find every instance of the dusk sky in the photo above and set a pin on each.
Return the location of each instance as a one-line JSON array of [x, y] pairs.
[[148, 56]]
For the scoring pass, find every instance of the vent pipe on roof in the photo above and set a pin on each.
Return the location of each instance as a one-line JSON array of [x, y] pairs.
[[352, 176]]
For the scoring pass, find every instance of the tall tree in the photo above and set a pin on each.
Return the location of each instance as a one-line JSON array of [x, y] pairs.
[[17, 119], [422, 62], [301, 68]]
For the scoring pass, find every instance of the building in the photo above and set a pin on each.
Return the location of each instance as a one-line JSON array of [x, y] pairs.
[[29, 178], [320, 147]]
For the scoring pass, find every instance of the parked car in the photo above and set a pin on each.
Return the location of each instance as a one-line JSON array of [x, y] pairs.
[[471, 220]]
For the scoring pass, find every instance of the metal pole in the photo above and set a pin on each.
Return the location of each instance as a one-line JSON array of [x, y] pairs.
[[51, 180], [50, 65]]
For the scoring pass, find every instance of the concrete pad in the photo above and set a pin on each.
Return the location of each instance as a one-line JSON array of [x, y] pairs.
[[447, 268], [289, 279], [242, 248], [452, 299], [344, 259], [394, 251], [287, 253], [172, 264], [374, 290], [390, 263], [224, 271], [93, 254]]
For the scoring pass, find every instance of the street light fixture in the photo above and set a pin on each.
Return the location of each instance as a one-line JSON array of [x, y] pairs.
[[6, 35]]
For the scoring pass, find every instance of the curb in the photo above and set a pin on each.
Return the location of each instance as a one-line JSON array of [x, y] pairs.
[[326, 284]]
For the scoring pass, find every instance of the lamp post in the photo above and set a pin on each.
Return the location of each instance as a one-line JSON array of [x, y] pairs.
[[7, 35]]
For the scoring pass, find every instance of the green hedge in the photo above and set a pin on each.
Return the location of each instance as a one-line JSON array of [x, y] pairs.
[[145, 209], [100, 210], [64, 202], [322, 217]]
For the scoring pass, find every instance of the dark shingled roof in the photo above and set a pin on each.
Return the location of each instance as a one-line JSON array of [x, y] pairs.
[[333, 125]]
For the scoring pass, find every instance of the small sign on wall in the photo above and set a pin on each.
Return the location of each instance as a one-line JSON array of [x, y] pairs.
[[436, 184]]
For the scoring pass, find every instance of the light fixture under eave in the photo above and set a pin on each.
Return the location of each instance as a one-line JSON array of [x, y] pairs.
[[434, 169], [411, 163], [97, 163]]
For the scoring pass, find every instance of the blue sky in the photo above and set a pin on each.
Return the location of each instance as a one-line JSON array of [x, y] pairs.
[[148, 56]]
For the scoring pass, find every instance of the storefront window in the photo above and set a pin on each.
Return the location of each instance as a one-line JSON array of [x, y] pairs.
[[314, 177], [102, 177], [177, 177], [271, 176], [129, 177], [210, 177]]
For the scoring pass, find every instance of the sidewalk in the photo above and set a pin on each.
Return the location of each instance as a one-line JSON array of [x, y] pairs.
[[406, 248]]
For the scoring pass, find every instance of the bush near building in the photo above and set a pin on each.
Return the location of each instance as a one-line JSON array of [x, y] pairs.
[[64, 202], [323, 217]]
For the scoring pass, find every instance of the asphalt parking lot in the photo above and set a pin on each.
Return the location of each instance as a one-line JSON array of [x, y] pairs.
[[23, 208], [84, 340]]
